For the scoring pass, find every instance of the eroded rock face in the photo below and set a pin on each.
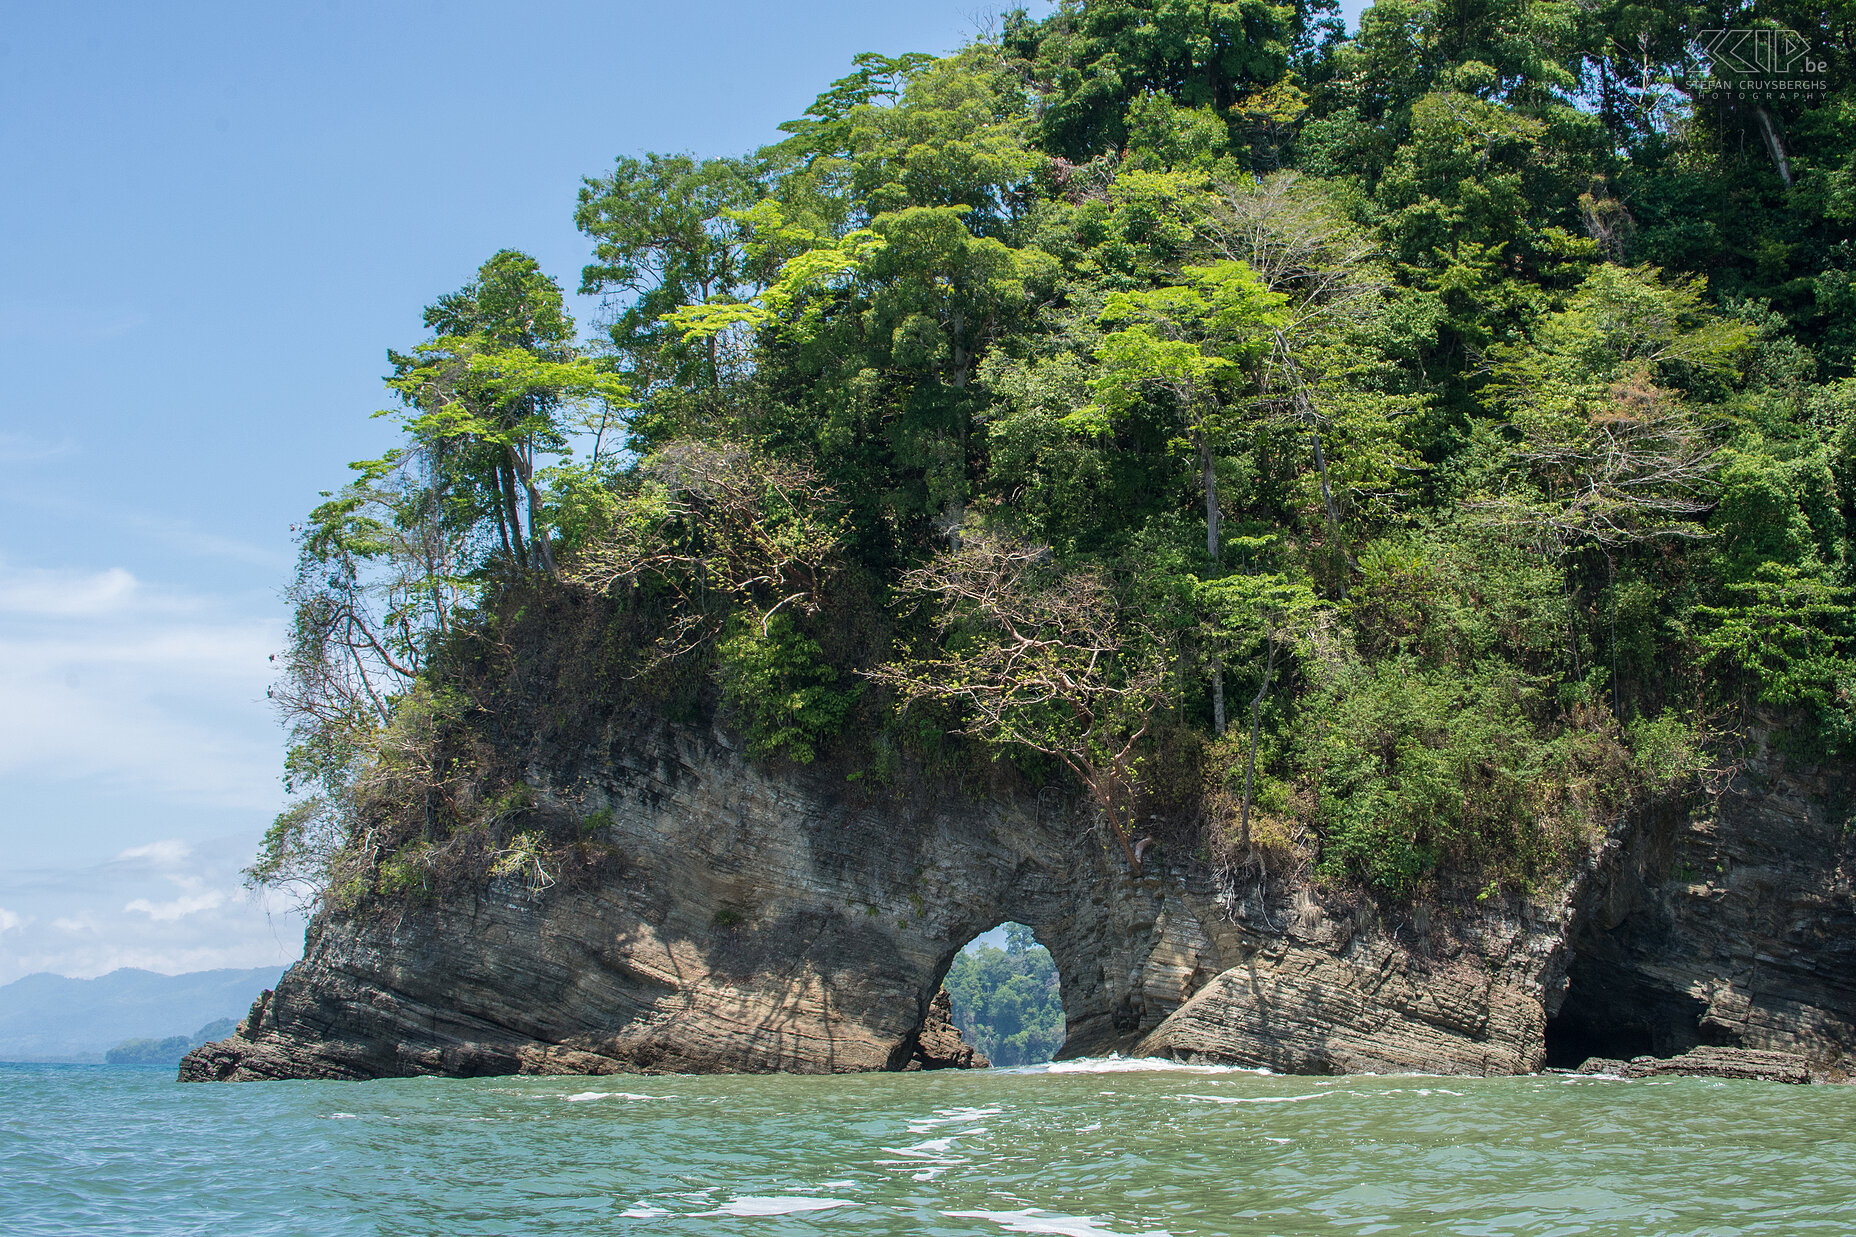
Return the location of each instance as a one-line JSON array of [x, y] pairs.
[[768, 920], [1744, 1064], [1319, 998], [1733, 925], [759, 922], [939, 1045]]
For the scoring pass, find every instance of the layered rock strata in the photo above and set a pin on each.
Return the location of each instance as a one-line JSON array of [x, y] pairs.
[[939, 1045], [1731, 925], [1743, 1064], [761, 920]]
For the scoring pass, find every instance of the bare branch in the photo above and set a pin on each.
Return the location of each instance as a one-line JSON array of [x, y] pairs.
[[1035, 655], [720, 529]]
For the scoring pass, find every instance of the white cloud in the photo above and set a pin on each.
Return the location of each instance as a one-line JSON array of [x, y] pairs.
[[149, 690], [186, 536], [48, 593], [176, 533], [168, 851], [181, 907], [27, 449], [88, 919]]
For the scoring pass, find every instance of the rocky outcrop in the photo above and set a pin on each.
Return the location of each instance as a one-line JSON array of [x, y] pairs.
[[939, 1045], [760, 920], [753, 921], [1733, 925], [1744, 1064], [1321, 997]]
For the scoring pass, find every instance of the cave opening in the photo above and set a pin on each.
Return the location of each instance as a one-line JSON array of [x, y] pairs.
[[1611, 1012], [1006, 997]]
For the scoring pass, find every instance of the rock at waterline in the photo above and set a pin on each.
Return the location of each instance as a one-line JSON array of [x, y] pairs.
[[1709, 1062], [940, 1045]]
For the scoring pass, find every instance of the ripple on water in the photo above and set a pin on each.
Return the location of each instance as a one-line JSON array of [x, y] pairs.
[[1031, 1220], [1172, 1150]]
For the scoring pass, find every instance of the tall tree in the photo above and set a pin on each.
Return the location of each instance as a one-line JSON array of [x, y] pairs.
[[1194, 345], [488, 396], [665, 235]]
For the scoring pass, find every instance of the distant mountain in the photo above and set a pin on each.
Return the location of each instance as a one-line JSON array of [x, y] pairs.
[[51, 1018], [167, 1051]]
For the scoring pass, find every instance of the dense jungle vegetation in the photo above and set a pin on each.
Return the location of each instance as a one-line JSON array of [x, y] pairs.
[[1388, 457], [1006, 1001]]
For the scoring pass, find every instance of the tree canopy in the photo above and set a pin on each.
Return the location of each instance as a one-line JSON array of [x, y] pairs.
[[1471, 399]]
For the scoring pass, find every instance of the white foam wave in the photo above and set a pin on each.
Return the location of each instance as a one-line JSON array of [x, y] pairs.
[[584, 1096], [1031, 1220], [759, 1205], [1115, 1063], [936, 1146], [642, 1213], [950, 1116], [1261, 1099]]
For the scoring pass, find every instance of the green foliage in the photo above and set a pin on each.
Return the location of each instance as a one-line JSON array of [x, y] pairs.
[[1192, 341], [1462, 408], [1418, 767], [1669, 751], [1092, 60], [1785, 637], [1006, 1001], [775, 680], [665, 237], [167, 1051]]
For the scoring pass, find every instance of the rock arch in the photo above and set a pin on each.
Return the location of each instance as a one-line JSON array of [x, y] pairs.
[[768, 920]]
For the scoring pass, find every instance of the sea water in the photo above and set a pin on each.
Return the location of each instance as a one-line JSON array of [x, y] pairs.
[[1079, 1148]]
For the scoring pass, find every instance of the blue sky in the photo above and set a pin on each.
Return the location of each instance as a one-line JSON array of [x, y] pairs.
[[216, 219]]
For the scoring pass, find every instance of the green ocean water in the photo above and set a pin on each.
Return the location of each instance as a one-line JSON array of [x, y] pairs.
[[1078, 1148]]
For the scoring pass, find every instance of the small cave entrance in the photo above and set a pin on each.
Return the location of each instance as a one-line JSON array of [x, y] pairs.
[[1006, 996], [1613, 1013]]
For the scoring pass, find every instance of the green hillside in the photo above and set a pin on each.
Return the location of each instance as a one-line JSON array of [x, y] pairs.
[[53, 1018]]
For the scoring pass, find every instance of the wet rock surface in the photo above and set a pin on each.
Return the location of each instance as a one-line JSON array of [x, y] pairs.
[[763, 920], [1751, 1064]]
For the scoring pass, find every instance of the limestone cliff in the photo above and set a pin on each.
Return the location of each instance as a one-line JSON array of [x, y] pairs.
[[765, 920]]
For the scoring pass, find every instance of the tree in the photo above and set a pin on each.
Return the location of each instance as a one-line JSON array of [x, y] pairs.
[[666, 235], [1193, 345], [1320, 266], [901, 311], [1091, 60], [1608, 456], [1006, 1002], [489, 395], [1246, 610], [394, 562], [720, 530], [1034, 655], [964, 356]]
